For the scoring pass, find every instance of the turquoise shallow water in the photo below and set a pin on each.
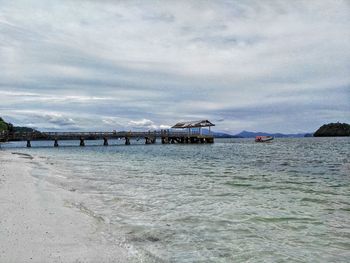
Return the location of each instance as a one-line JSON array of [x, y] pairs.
[[232, 201]]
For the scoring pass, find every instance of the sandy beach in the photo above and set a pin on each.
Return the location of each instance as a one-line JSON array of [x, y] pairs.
[[37, 225]]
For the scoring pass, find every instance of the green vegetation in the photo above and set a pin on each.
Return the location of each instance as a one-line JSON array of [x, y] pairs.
[[333, 129], [4, 126]]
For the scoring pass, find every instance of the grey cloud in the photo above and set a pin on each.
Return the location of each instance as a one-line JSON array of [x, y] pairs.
[[122, 62]]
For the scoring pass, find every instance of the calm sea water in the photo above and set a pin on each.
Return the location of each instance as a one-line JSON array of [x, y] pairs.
[[232, 201]]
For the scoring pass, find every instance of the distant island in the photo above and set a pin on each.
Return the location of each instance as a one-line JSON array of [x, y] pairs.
[[333, 130]]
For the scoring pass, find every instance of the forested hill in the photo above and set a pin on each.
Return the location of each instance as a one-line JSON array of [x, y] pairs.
[[333, 129]]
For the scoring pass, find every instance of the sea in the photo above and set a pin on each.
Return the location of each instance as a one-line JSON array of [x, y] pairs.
[[231, 201]]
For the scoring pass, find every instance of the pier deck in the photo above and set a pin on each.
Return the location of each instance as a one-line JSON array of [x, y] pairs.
[[150, 137]]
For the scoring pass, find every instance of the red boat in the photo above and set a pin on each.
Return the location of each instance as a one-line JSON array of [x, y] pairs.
[[263, 138]]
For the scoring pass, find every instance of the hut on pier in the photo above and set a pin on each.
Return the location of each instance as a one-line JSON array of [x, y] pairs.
[[194, 127]]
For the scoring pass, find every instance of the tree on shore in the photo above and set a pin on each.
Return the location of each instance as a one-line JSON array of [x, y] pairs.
[[4, 126]]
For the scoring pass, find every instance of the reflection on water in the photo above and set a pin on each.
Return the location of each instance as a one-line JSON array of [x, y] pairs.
[[233, 201]]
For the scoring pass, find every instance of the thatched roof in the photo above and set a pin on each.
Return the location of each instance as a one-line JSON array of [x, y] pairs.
[[193, 124]]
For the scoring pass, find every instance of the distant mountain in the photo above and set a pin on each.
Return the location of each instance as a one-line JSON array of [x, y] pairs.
[[220, 134], [333, 129], [248, 134], [225, 135]]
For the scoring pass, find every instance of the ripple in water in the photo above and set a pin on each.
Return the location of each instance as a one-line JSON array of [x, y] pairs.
[[233, 201]]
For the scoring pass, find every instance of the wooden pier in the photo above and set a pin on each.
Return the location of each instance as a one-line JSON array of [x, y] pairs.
[[81, 137], [193, 134]]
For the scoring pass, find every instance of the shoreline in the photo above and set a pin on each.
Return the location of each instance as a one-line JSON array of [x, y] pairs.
[[37, 224]]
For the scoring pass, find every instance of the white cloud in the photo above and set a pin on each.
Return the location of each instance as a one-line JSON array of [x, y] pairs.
[[144, 123]]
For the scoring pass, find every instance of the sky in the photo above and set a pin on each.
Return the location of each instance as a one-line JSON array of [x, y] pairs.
[[274, 66]]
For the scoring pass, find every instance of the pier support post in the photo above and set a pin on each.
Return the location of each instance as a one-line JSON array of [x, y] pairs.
[[82, 143], [150, 140], [55, 143], [127, 141], [29, 144], [105, 141]]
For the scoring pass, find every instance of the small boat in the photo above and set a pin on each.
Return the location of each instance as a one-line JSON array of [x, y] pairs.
[[263, 138]]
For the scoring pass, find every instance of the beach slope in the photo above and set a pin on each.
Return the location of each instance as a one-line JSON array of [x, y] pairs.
[[36, 225]]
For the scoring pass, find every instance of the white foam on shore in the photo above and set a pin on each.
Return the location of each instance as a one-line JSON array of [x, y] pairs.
[[36, 225]]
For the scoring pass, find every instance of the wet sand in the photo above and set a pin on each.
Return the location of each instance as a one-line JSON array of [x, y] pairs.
[[37, 225]]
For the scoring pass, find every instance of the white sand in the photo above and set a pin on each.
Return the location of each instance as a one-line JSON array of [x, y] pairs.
[[37, 226]]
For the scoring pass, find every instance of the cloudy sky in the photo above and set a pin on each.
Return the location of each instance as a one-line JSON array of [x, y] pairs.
[[279, 66]]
